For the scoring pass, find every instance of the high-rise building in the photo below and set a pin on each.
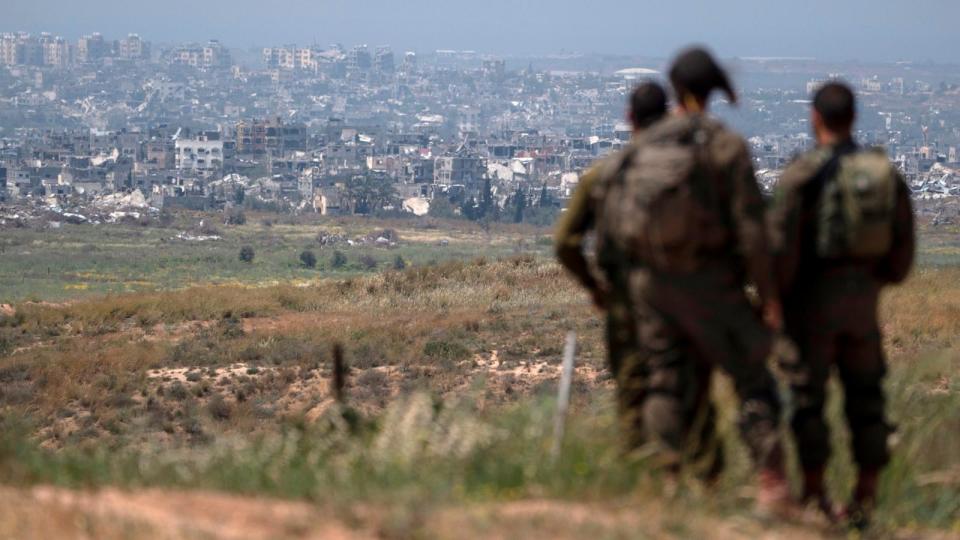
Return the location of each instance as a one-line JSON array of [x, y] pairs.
[[409, 64], [11, 50], [32, 50], [91, 48], [216, 55], [55, 50], [383, 61], [133, 47], [359, 59]]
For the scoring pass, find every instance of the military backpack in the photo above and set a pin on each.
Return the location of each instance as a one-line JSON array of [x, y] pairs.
[[655, 196], [856, 206]]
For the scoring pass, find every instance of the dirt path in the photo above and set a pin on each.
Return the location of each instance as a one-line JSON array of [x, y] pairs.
[[47, 513], [153, 514]]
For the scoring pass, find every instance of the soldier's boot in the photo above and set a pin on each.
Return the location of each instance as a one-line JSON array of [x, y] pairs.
[[815, 493], [860, 510]]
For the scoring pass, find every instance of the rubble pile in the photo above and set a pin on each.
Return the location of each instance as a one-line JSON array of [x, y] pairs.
[[382, 238], [112, 208]]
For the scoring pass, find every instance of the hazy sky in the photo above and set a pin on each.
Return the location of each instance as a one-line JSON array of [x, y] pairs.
[[830, 29]]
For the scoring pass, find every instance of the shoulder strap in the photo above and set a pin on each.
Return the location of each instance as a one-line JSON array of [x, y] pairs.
[[828, 172], [812, 192]]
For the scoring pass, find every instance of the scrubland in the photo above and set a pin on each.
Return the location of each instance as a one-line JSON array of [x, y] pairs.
[[180, 395]]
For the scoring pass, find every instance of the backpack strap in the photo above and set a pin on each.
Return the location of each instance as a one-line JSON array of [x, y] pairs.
[[812, 192]]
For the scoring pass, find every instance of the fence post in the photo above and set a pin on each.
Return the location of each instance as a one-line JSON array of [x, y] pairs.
[[563, 395], [339, 375]]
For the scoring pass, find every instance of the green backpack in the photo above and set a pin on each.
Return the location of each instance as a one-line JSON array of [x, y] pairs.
[[855, 211]]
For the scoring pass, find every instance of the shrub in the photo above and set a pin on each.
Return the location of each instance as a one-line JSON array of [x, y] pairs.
[[399, 263], [236, 217], [208, 228], [219, 409], [449, 351], [339, 260], [368, 262], [308, 259], [178, 391], [247, 254]]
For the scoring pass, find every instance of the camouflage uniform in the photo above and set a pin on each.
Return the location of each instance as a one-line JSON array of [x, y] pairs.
[[831, 313], [633, 338], [570, 238], [694, 320]]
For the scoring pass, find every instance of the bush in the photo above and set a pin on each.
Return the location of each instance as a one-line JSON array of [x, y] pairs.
[[339, 260], [448, 351], [368, 262], [208, 228], [308, 259], [219, 409], [399, 263], [247, 254], [236, 217], [441, 207]]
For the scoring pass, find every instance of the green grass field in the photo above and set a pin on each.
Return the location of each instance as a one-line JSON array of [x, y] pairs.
[[77, 261]]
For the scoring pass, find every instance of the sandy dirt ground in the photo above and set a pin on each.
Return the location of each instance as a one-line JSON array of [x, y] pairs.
[[109, 514]]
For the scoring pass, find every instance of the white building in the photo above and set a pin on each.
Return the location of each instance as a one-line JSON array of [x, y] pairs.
[[203, 157]]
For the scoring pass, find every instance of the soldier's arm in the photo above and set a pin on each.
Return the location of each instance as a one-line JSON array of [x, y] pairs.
[[748, 214], [896, 266], [572, 228]]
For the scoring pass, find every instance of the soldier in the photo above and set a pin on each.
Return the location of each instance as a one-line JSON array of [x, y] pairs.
[[608, 289], [685, 208], [842, 228]]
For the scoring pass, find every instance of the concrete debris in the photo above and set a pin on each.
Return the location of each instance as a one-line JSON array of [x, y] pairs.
[[383, 238], [417, 206], [122, 201], [187, 237]]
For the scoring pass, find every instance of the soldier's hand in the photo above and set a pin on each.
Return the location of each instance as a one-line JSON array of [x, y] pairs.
[[773, 315]]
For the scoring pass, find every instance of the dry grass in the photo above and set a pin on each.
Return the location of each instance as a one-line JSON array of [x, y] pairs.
[[198, 369], [87, 370]]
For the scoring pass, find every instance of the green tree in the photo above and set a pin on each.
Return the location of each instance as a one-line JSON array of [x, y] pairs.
[[441, 207], [519, 204], [247, 254], [370, 194], [544, 197], [308, 259], [339, 260]]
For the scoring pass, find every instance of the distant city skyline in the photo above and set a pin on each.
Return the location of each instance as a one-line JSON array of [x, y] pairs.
[[829, 30]]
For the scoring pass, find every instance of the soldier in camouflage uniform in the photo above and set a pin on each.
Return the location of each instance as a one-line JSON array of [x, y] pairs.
[[831, 298], [606, 281], [688, 305], [693, 249]]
